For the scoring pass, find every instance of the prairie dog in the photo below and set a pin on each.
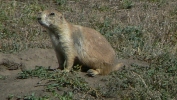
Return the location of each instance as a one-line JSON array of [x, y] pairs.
[[73, 42]]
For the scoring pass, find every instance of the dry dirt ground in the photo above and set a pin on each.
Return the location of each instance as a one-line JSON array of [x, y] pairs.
[[12, 64]]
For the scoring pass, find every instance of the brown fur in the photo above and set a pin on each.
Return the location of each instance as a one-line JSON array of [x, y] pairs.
[[76, 42]]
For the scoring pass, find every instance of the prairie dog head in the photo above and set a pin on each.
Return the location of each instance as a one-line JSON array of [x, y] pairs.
[[50, 19]]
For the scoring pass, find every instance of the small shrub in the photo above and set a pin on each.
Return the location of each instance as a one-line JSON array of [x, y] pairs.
[[61, 2], [126, 4]]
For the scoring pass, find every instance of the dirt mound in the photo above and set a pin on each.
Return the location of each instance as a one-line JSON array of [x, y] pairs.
[[12, 64]]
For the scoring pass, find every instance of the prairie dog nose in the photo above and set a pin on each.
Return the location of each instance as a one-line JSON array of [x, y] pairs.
[[39, 18]]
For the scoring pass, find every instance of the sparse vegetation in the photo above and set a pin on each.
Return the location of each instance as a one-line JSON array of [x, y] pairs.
[[58, 80], [140, 29], [2, 77], [28, 97], [126, 4]]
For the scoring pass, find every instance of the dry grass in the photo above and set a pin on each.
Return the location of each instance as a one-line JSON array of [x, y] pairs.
[[140, 29]]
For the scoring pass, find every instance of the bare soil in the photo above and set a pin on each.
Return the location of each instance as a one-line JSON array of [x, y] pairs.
[[12, 64]]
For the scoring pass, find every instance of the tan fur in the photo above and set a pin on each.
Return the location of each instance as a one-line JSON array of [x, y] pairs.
[[73, 42]]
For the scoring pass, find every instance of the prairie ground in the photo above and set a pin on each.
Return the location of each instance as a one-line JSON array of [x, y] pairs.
[[141, 31]]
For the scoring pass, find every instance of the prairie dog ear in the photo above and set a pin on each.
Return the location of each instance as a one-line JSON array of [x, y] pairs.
[[59, 12], [62, 16]]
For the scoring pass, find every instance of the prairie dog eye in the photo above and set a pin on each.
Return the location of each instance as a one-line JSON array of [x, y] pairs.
[[52, 14]]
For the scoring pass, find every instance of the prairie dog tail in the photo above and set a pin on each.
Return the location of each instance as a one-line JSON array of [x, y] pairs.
[[129, 62], [118, 66]]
